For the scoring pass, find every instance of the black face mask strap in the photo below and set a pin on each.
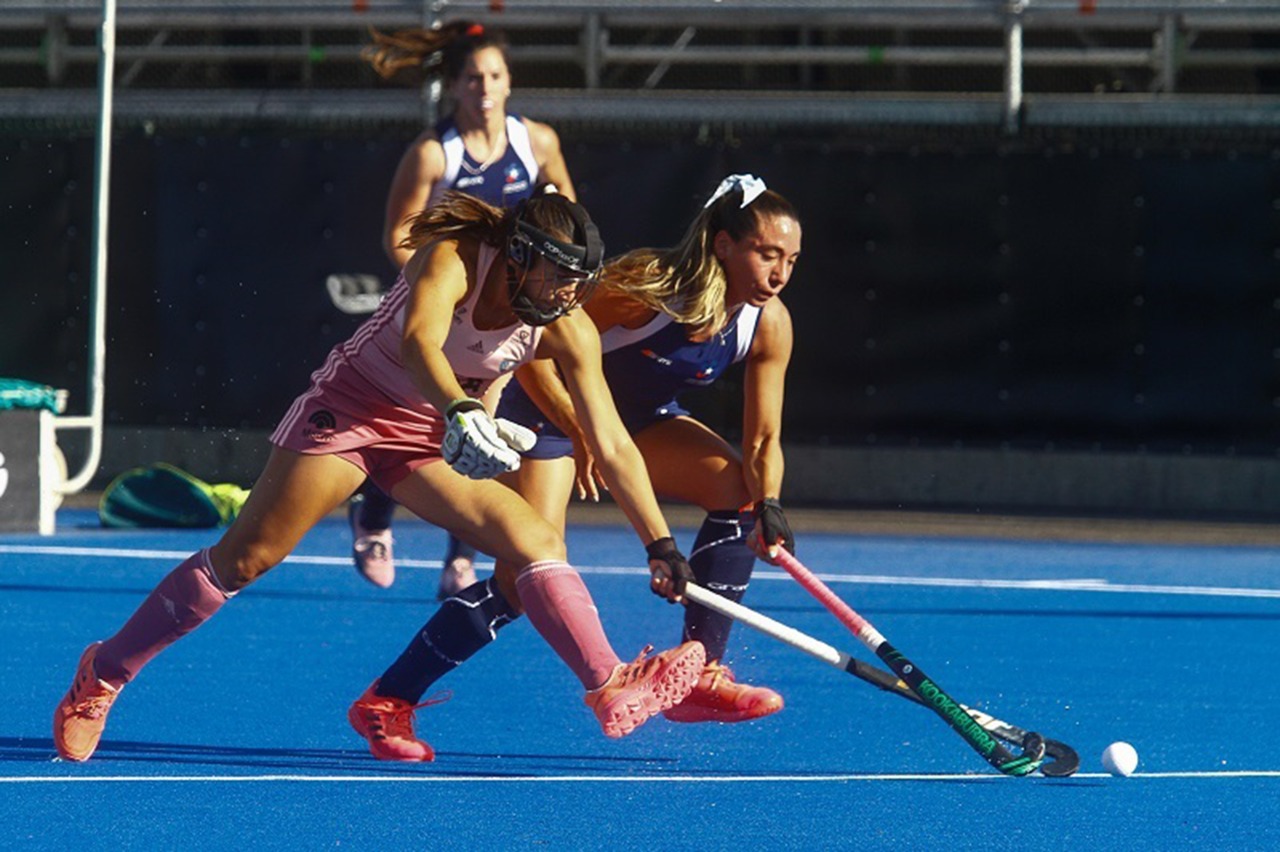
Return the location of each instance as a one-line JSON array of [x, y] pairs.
[[586, 257], [592, 245]]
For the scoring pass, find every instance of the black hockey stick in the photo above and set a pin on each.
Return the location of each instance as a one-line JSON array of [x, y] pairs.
[[925, 688], [1060, 760], [1065, 760]]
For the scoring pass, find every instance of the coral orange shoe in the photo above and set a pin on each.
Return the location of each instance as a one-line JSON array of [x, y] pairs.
[[371, 549], [81, 715], [387, 723], [643, 688], [717, 698]]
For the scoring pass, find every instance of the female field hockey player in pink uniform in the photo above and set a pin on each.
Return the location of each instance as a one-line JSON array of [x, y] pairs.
[[669, 319], [486, 291], [478, 148]]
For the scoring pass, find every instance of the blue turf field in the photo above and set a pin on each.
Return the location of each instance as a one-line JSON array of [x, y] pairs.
[[236, 737]]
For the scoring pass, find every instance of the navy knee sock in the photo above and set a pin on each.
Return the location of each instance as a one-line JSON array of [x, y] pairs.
[[464, 624], [377, 508], [722, 562], [458, 549]]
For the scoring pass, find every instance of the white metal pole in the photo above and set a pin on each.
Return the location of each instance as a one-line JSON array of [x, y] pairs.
[[1013, 64], [98, 293], [433, 91], [1169, 54]]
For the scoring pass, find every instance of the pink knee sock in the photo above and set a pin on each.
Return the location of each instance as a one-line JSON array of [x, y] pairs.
[[560, 608], [184, 600]]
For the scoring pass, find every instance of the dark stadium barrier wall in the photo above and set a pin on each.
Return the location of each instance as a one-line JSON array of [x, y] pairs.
[[962, 480], [1062, 298]]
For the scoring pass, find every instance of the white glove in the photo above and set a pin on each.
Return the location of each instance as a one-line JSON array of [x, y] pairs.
[[517, 437], [477, 446]]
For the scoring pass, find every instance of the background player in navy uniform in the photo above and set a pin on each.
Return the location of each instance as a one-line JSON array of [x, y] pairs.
[[669, 319], [480, 149]]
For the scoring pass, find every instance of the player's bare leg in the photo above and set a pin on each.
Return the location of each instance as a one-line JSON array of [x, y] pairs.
[[557, 602], [293, 493], [691, 463]]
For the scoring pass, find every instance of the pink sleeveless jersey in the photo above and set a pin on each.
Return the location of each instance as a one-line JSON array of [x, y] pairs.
[[363, 405]]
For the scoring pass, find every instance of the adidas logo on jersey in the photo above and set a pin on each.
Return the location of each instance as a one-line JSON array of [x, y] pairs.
[[476, 347]]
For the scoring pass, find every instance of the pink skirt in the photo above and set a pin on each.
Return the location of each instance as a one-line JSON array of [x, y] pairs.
[[343, 414]]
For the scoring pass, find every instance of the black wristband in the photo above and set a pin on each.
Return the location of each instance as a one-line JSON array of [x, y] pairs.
[[458, 406], [773, 524], [660, 548], [665, 550], [766, 503]]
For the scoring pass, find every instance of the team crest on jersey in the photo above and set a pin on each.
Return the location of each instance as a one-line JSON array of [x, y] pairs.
[[703, 377], [514, 180]]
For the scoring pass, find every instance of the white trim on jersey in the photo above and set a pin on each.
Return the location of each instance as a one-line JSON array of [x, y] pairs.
[[745, 319], [620, 336], [453, 154], [518, 140]]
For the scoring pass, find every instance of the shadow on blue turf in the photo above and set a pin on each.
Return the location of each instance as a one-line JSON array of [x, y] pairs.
[[184, 756], [342, 596]]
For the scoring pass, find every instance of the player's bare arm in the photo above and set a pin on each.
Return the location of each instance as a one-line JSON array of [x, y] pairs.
[[420, 167], [764, 387], [551, 165], [438, 279], [575, 345]]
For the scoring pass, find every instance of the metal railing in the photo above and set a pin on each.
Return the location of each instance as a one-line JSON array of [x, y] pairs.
[[834, 55]]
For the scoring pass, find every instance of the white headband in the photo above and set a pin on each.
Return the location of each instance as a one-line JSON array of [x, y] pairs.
[[750, 185]]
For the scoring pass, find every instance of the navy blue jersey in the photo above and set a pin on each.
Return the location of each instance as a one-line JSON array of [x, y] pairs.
[[647, 369], [504, 182]]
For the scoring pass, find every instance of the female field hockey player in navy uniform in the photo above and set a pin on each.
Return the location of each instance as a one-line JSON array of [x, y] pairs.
[[670, 319], [486, 291], [482, 150]]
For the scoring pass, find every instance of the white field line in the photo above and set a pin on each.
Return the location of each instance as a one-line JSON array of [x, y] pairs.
[[612, 779], [1070, 584]]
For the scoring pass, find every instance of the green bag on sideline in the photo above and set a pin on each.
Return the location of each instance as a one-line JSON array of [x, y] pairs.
[[20, 393], [161, 495]]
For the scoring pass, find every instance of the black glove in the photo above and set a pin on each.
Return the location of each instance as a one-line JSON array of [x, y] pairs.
[[665, 550], [774, 528]]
